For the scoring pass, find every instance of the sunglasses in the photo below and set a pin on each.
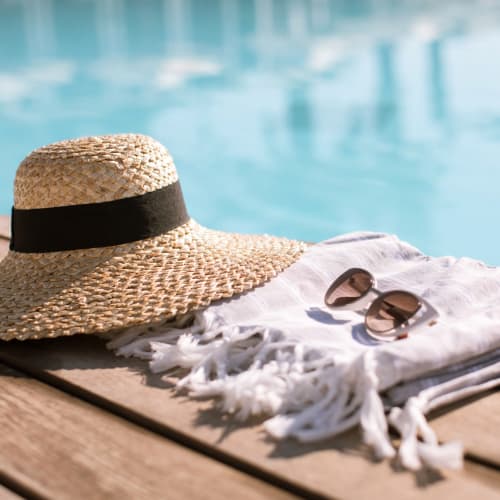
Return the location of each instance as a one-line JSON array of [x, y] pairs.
[[387, 314]]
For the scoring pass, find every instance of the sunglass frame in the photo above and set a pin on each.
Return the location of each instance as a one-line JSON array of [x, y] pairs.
[[425, 315]]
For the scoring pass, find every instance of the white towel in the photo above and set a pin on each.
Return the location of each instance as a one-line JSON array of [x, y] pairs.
[[279, 351]]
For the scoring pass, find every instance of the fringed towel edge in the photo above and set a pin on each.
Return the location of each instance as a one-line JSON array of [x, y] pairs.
[[309, 393]]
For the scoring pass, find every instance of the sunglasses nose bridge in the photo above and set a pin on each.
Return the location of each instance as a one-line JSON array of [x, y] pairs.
[[363, 303]]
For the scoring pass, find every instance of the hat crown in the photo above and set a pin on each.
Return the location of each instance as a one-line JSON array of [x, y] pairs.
[[92, 170]]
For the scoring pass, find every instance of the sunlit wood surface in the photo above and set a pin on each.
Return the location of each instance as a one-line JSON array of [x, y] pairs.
[[79, 422]]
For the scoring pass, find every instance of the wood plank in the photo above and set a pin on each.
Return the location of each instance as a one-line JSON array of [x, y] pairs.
[[6, 494], [474, 422], [336, 467], [487, 475], [4, 248], [4, 226], [61, 447]]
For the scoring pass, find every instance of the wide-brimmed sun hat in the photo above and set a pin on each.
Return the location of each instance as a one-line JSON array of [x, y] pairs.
[[101, 240]]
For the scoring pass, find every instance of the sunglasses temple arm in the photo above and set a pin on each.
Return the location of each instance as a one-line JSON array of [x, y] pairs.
[[431, 312]]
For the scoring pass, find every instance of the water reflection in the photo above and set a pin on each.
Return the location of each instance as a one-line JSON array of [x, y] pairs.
[[298, 117]]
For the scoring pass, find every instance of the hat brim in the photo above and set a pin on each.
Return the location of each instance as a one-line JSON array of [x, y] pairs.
[[104, 289]]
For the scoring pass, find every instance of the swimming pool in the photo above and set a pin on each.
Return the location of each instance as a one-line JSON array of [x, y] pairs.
[[304, 118]]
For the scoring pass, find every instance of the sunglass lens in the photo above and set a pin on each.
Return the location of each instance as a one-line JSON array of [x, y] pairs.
[[391, 310], [349, 287]]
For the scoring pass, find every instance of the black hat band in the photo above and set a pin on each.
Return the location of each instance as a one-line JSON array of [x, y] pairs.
[[97, 225]]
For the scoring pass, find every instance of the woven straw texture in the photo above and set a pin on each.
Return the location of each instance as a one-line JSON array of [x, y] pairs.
[[92, 170], [106, 289]]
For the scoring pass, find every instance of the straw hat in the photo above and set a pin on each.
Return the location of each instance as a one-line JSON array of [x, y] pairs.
[[102, 240]]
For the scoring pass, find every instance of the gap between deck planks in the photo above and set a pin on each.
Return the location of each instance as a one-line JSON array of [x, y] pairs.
[[6, 494], [56, 446], [335, 467]]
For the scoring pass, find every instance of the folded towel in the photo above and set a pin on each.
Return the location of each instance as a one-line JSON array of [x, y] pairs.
[[279, 351]]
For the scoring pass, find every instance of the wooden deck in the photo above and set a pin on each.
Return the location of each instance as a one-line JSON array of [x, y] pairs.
[[79, 422]]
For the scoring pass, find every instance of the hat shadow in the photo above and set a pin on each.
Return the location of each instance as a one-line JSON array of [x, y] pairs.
[[48, 359]]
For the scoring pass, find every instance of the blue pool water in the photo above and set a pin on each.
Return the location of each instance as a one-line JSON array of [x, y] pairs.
[[304, 118]]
